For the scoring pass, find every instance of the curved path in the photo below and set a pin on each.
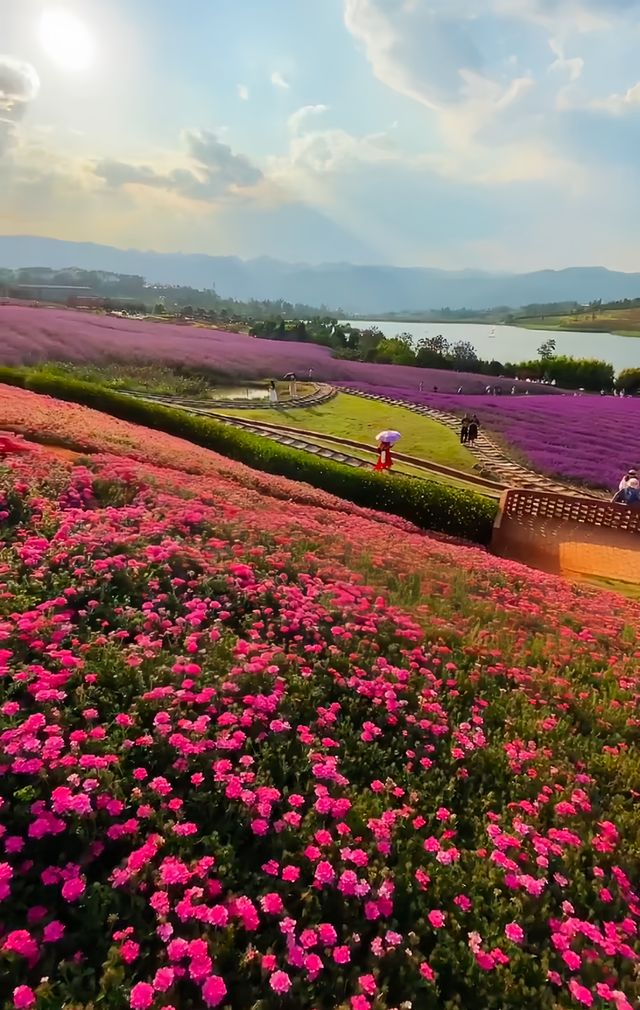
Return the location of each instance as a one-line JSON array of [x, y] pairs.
[[492, 458], [497, 471], [315, 442], [322, 393]]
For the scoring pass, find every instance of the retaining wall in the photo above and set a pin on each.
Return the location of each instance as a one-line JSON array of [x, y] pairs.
[[569, 536]]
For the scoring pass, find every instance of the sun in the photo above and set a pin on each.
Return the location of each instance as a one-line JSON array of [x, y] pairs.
[[66, 40]]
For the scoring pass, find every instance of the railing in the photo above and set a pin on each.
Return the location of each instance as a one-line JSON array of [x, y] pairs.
[[535, 505]]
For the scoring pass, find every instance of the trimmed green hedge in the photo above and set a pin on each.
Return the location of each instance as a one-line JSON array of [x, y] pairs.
[[428, 504]]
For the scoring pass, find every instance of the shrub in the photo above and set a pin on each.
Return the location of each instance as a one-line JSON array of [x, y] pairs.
[[428, 504]]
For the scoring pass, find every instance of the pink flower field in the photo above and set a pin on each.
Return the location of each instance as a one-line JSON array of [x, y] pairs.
[[262, 749], [30, 335]]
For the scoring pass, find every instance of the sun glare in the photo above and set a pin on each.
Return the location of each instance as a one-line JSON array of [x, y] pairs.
[[66, 40]]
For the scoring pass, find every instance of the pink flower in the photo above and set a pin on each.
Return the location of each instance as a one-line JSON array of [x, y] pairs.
[[23, 997], [427, 972], [22, 943], [163, 979], [327, 934], [360, 1003], [280, 982], [53, 932], [214, 990], [341, 955], [368, 984], [73, 889], [325, 873], [572, 960], [436, 918], [514, 932], [272, 903], [141, 996], [129, 951], [580, 993]]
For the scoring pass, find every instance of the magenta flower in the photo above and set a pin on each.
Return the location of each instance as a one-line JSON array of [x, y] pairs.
[[280, 982], [141, 996], [23, 997], [437, 918], [514, 932], [214, 991]]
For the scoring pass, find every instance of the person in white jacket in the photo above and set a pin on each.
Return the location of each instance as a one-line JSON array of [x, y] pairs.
[[628, 477]]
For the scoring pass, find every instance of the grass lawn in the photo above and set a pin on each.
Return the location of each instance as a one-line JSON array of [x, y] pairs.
[[352, 417]]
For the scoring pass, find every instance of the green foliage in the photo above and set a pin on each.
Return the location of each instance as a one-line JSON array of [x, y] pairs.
[[571, 373], [427, 504], [629, 380]]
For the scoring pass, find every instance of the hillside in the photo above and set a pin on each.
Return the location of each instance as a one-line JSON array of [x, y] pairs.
[[249, 762], [356, 289]]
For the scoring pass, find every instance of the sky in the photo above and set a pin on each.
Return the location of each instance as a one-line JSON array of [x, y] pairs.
[[491, 134]]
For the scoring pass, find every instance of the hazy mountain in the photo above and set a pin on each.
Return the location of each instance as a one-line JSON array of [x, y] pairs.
[[356, 289]]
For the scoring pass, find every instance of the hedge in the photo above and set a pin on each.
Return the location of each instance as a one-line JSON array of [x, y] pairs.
[[430, 505]]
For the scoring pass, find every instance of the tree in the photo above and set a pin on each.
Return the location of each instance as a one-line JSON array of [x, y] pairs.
[[547, 351], [629, 380], [463, 355], [159, 310], [395, 351]]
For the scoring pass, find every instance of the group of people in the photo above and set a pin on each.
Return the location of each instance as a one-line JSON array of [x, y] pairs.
[[470, 428], [628, 492]]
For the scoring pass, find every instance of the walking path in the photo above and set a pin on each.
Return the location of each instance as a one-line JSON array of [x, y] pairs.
[[322, 393], [497, 470], [494, 461], [313, 442]]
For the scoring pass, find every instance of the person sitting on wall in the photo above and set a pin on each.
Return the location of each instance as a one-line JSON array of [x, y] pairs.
[[629, 495], [631, 474]]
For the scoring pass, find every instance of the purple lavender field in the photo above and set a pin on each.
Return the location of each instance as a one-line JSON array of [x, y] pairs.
[[30, 335], [590, 440]]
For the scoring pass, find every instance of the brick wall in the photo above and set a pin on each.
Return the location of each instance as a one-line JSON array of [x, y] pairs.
[[569, 536]]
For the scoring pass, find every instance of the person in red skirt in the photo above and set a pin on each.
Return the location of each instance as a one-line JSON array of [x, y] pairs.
[[385, 459]]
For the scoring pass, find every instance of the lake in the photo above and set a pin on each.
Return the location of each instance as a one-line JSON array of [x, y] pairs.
[[512, 343]]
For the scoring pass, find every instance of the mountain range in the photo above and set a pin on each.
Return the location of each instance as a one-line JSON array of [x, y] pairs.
[[365, 290]]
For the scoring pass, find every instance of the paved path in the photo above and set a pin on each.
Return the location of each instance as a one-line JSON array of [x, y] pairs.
[[493, 460]]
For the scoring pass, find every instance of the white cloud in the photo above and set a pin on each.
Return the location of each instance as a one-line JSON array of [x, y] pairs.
[[572, 66], [427, 52], [279, 81], [212, 171], [243, 92], [19, 86], [299, 118], [619, 105]]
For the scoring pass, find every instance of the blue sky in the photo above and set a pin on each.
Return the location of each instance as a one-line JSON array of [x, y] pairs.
[[503, 134]]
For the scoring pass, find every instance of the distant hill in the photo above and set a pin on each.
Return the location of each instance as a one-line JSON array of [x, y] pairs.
[[368, 290]]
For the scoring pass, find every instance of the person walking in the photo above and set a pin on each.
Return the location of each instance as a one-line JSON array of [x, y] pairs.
[[474, 425], [464, 430], [273, 392], [385, 459]]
